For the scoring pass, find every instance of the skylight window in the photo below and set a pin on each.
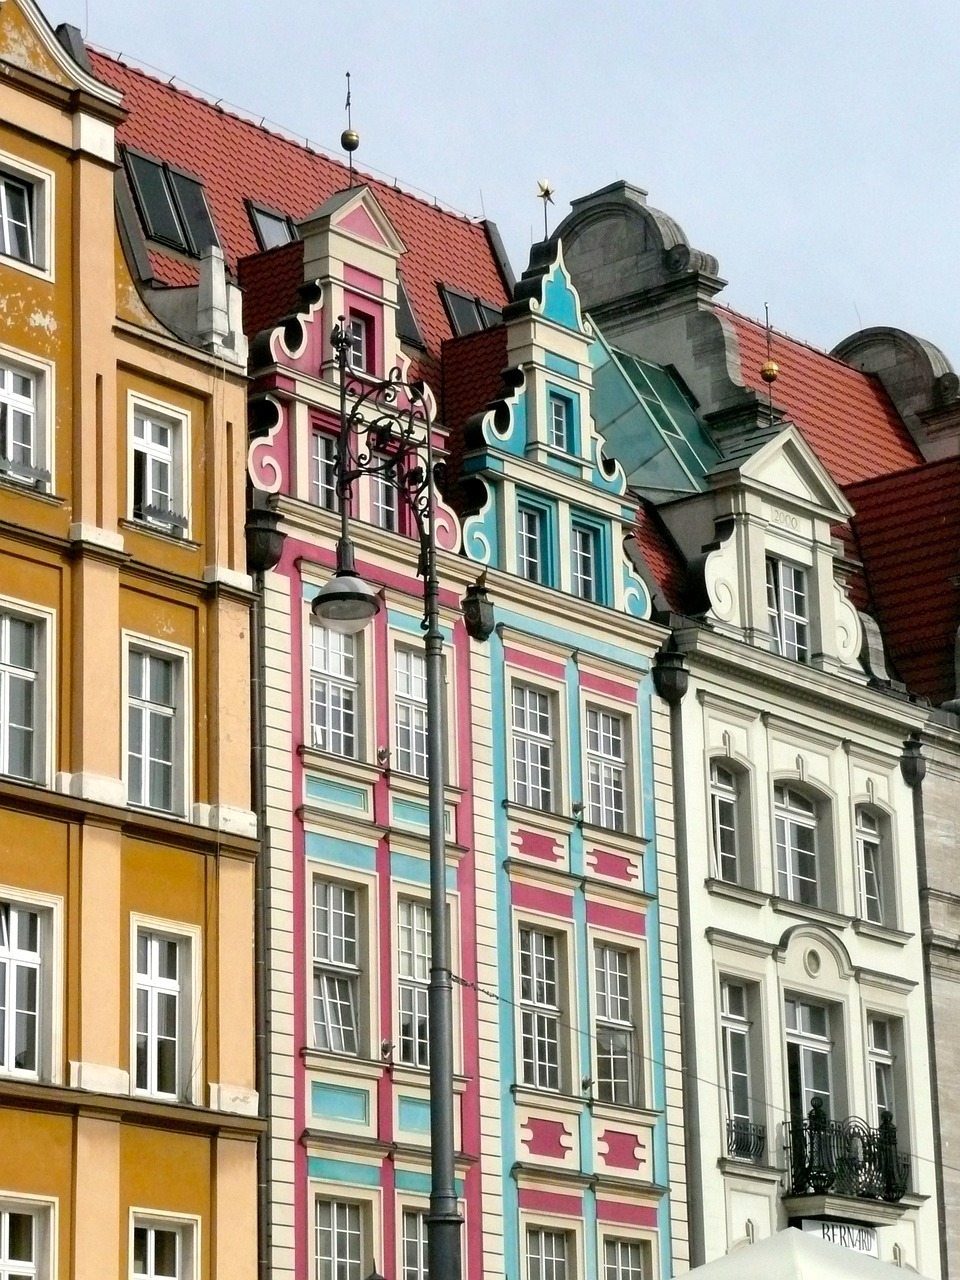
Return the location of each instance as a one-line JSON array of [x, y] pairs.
[[172, 205], [272, 229], [466, 314]]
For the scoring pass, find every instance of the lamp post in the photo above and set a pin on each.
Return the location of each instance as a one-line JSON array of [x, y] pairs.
[[388, 433]]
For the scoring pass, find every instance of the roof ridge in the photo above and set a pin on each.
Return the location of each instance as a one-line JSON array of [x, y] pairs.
[[278, 131], [789, 337], [927, 465]]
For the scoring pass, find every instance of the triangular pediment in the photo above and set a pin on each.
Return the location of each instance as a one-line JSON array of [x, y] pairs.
[[358, 213], [28, 42], [788, 466]]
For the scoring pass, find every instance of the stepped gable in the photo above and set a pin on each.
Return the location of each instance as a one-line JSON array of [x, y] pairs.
[[845, 416], [907, 531], [239, 160], [661, 556]]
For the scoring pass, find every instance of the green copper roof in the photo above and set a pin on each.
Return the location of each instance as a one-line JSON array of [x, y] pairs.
[[649, 425]]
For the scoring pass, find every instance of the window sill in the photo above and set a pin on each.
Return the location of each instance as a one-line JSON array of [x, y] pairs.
[[736, 892], [616, 1111], [787, 907], [28, 490], [560, 823], [345, 766], [547, 1100], [877, 1213], [629, 841], [410, 784], [157, 531], [756, 1170], [346, 1064], [30, 268], [882, 932]]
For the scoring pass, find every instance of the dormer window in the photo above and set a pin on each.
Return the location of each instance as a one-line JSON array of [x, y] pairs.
[[466, 314], [360, 349], [271, 228], [787, 609], [172, 204], [558, 426]]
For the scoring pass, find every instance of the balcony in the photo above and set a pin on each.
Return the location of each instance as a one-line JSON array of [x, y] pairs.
[[845, 1157], [746, 1140]]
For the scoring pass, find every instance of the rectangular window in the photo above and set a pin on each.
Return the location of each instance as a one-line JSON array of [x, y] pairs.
[[339, 1252], [539, 1009], [558, 426], [882, 1058], [173, 205], [414, 1244], [16, 218], [336, 967], [20, 993], [158, 471], [606, 770], [360, 351], [21, 443], [20, 695], [162, 1014], [787, 608], [411, 711], [271, 229], [724, 799], [618, 1075], [532, 721], [530, 544], [869, 861], [384, 506], [623, 1260], [796, 824], [323, 471], [334, 691], [162, 1250], [583, 562], [413, 938], [22, 1229], [154, 731], [546, 1254], [809, 1051], [746, 1140]]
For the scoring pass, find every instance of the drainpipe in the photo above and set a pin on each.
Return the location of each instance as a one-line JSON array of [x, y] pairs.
[[913, 767], [671, 677], [264, 548]]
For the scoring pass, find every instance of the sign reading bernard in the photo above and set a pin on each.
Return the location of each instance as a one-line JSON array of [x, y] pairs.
[[848, 1235]]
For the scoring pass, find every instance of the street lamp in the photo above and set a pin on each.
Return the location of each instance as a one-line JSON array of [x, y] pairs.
[[388, 433]]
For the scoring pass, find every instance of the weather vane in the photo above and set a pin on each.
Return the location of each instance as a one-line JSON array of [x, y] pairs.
[[769, 369], [349, 139], [545, 193]]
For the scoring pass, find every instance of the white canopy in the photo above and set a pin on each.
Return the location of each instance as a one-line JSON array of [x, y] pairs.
[[795, 1255]]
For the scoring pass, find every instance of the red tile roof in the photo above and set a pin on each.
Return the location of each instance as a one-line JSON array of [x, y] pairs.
[[270, 282], [907, 531], [662, 556], [239, 160], [470, 380], [844, 415]]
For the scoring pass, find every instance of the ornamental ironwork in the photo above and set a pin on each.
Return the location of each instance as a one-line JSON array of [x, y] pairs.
[[845, 1157], [746, 1140]]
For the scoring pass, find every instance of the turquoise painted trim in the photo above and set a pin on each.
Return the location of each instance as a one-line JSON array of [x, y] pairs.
[[357, 1175], [573, 639], [547, 509], [574, 433], [560, 364], [603, 582], [408, 622], [565, 466], [407, 866], [481, 532], [410, 813], [308, 592], [342, 794], [338, 1102], [560, 303], [419, 1183], [590, 1232], [413, 1114], [360, 857]]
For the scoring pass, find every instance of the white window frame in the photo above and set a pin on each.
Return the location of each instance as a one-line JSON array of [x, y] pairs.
[[418, 1240], [180, 424], [414, 934], [187, 1227], [610, 1016], [410, 710], [584, 563], [50, 1005], [740, 1025], [876, 891], [43, 374], [343, 1198], [809, 1044], [190, 1025], [607, 779], [531, 542], [536, 1264], [789, 819], [182, 718], [882, 1065], [559, 426], [789, 629], [384, 500], [348, 686], [44, 705], [45, 1213], [335, 966], [360, 330], [533, 750], [323, 472], [624, 1239], [540, 1020], [42, 185], [725, 806]]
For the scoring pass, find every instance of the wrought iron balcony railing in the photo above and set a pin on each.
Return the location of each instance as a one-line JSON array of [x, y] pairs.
[[845, 1157], [746, 1140]]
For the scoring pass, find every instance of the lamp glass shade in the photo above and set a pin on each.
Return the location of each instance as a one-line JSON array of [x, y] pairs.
[[346, 604]]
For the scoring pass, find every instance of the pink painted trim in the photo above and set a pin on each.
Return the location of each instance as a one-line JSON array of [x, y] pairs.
[[615, 866], [358, 279], [550, 1202], [536, 844], [629, 1215], [609, 688], [357, 305], [533, 662], [619, 918], [546, 901], [361, 224]]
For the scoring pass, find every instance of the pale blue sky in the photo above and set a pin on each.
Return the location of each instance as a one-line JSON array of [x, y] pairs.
[[810, 146]]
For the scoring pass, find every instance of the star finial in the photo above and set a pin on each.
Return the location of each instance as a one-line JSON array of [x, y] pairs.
[[545, 193]]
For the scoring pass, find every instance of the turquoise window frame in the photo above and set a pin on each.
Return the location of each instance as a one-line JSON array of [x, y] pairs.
[[600, 530], [572, 401], [546, 511]]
